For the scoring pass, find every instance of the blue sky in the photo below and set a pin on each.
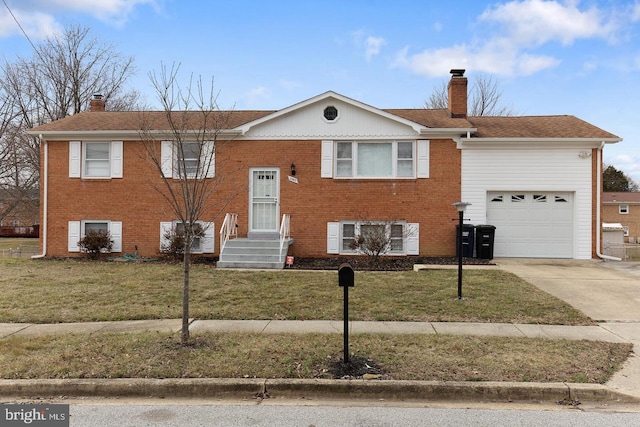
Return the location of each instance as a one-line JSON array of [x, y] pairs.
[[549, 57]]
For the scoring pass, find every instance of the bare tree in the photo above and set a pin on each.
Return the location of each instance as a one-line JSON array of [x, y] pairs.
[[190, 127], [58, 80], [485, 98], [376, 238]]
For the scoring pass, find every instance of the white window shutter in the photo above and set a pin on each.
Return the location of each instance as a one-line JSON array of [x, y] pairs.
[[74, 236], [116, 159], [326, 165], [75, 150], [165, 227], [208, 241], [423, 158], [333, 237], [166, 158], [115, 230], [209, 159], [413, 238]]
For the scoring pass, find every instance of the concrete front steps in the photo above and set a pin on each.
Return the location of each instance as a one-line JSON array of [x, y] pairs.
[[254, 254]]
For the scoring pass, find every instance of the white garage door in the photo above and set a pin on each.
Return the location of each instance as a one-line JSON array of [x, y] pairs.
[[531, 224]]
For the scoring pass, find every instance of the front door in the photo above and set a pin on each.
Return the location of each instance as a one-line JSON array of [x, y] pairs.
[[264, 204]]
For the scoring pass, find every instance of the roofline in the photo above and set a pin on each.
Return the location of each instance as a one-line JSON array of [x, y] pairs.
[[555, 140], [330, 94], [113, 134]]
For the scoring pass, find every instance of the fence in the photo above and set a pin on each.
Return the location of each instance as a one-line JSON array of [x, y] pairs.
[[22, 251], [624, 251]]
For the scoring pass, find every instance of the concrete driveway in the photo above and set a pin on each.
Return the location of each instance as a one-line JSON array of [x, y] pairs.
[[605, 291], [608, 292]]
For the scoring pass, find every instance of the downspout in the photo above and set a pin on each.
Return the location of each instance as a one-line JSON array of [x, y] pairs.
[[45, 192], [598, 224]]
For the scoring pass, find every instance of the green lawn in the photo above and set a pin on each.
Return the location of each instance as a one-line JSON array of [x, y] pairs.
[[76, 291]]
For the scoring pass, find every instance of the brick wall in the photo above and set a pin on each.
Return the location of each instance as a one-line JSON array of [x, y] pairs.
[[312, 202]]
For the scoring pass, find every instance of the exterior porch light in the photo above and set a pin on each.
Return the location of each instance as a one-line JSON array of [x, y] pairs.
[[293, 169], [461, 207]]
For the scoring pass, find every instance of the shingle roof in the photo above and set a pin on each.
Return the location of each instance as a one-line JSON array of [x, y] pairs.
[[131, 120], [487, 127], [620, 197], [536, 127]]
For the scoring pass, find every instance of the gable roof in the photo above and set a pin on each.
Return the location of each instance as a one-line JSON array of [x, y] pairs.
[[420, 119], [621, 197]]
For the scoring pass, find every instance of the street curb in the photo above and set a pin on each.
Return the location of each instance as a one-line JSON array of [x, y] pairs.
[[254, 388]]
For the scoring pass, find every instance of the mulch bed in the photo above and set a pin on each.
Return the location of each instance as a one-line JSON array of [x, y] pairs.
[[384, 263]]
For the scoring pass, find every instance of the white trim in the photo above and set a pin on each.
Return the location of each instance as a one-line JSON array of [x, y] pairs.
[[327, 96], [333, 237], [326, 162], [166, 158], [208, 241], [422, 158], [115, 230], [412, 241], [208, 160], [73, 236], [75, 163], [165, 227], [116, 159]]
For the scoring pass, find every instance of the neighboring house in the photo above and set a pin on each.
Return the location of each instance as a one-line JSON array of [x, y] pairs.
[[333, 166], [19, 213], [623, 208]]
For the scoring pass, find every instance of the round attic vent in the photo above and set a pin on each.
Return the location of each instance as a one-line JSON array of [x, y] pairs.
[[331, 113]]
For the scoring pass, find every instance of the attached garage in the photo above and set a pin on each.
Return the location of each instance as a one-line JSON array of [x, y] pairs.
[[532, 224]]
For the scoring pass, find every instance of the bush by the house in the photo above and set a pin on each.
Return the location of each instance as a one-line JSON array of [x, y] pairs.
[[96, 242]]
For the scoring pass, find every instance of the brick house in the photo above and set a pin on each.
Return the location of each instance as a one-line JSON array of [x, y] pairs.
[[623, 208], [330, 166]]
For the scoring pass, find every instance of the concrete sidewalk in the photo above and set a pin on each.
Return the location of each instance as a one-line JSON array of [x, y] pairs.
[[602, 332]]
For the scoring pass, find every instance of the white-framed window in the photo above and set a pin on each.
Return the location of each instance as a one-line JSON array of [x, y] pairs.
[[623, 209], [375, 159], [402, 237], [188, 159], [95, 159], [78, 229], [202, 244]]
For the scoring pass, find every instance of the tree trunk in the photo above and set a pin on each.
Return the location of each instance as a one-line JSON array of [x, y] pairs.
[[185, 293]]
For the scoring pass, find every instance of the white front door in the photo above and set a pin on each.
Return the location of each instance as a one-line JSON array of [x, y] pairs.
[[264, 204]]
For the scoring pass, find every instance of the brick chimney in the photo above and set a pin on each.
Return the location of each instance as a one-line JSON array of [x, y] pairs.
[[96, 103], [457, 93]]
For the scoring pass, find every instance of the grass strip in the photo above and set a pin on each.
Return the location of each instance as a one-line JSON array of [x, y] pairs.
[[238, 355]]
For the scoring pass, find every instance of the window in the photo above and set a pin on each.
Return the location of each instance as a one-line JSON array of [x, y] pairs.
[[497, 199], [560, 199], [539, 198], [330, 113], [78, 229], [188, 160], [375, 159], [402, 238], [517, 198], [196, 244], [202, 244], [623, 209], [93, 160], [96, 160]]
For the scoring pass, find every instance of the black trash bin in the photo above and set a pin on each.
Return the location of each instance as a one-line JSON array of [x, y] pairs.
[[468, 238], [485, 237]]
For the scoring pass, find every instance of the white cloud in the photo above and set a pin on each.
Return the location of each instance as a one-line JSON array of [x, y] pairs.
[[37, 25], [370, 44], [511, 48], [38, 17], [635, 13], [256, 95], [289, 84], [373, 45], [535, 22]]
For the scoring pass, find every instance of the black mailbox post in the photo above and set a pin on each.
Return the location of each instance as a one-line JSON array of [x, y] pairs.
[[346, 280]]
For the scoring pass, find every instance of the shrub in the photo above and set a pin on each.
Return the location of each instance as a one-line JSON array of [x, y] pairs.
[[173, 246], [95, 242]]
